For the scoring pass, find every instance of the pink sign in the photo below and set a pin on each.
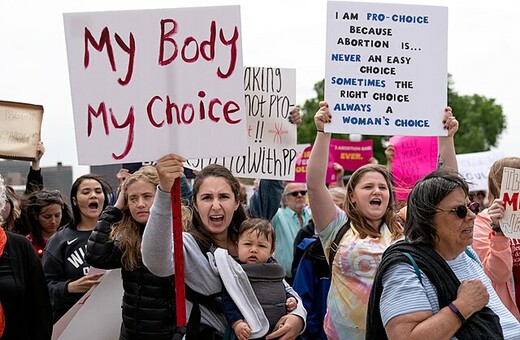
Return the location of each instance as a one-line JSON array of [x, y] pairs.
[[301, 167], [351, 155], [414, 158]]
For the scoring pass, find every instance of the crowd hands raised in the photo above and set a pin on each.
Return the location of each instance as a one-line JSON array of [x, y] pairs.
[[352, 262]]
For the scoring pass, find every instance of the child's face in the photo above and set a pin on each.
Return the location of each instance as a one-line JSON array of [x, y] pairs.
[[254, 247]]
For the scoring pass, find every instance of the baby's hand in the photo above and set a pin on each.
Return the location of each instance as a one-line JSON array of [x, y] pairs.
[[242, 330], [291, 304]]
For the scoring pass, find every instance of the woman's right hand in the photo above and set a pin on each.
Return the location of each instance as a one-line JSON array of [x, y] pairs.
[[322, 116], [169, 168], [472, 296], [84, 283]]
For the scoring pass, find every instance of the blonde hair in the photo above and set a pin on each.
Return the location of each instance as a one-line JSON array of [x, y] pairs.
[[127, 233], [495, 175]]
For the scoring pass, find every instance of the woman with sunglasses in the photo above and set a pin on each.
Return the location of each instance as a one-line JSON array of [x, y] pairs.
[[46, 211], [500, 255], [64, 264], [433, 283], [358, 234]]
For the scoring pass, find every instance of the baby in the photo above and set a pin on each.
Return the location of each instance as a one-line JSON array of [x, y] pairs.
[[256, 244]]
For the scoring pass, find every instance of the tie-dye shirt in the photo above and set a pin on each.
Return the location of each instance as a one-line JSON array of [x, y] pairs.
[[353, 272]]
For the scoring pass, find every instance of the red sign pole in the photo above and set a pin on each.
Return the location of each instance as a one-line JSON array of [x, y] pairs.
[[178, 254]]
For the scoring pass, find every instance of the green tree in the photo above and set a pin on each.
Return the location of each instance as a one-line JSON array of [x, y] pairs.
[[481, 122]]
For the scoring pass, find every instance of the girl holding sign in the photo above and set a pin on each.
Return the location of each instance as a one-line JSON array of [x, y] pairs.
[[360, 232], [500, 255]]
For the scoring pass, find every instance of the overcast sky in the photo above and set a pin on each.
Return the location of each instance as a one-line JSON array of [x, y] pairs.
[[482, 54]]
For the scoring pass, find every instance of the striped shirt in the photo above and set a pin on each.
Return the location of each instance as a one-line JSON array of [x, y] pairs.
[[404, 294]]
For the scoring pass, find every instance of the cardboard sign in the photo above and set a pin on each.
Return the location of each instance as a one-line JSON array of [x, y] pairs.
[[150, 82], [386, 68], [414, 158], [20, 130], [474, 167], [351, 155], [271, 149], [510, 194]]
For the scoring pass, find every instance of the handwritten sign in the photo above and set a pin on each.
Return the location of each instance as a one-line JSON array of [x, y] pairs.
[[474, 167], [510, 194], [20, 130], [150, 82], [414, 158], [351, 155], [270, 94], [386, 68], [301, 167]]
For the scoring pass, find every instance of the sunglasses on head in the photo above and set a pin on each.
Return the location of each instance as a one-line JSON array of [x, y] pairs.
[[48, 194], [296, 193], [462, 210]]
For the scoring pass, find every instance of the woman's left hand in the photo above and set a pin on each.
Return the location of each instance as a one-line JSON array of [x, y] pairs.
[[496, 211], [450, 122], [287, 328]]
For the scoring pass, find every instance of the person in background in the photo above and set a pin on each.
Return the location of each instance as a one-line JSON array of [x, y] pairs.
[[478, 196], [66, 271], [500, 255], [433, 284], [288, 221], [355, 238], [312, 272], [217, 214], [256, 244], [25, 307], [13, 218], [46, 211], [148, 306]]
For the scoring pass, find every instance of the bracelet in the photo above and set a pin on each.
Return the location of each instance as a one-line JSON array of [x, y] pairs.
[[457, 312], [321, 131]]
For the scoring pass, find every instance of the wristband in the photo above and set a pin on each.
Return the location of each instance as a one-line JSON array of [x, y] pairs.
[[457, 312]]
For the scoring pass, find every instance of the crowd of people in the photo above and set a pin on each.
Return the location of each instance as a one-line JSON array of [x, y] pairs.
[[294, 261]]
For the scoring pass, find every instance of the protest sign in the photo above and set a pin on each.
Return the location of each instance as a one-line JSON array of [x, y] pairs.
[[270, 94], [100, 306], [386, 68], [301, 167], [474, 167], [20, 129], [351, 154], [146, 83], [510, 194], [414, 158]]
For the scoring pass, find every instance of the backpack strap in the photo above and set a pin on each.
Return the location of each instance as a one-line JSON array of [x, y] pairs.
[[415, 266], [335, 244]]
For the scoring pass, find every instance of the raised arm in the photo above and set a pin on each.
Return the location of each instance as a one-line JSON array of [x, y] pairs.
[[157, 245], [447, 156], [320, 201]]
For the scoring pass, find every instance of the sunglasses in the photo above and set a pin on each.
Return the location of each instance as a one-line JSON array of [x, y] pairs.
[[296, 193], [462, 210], [44, 195]]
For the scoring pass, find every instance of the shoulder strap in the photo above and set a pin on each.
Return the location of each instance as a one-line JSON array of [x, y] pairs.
[[415, 267], [472, 256], [335, 244]]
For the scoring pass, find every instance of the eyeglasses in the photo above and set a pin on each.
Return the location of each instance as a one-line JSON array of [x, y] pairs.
[[44, 195], [462, 210], [296, 193]]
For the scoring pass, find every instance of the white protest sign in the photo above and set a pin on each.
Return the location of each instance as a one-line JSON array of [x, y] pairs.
[[474, 167], [510, 194], [386, 68], [270, 94], [150, 82]]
